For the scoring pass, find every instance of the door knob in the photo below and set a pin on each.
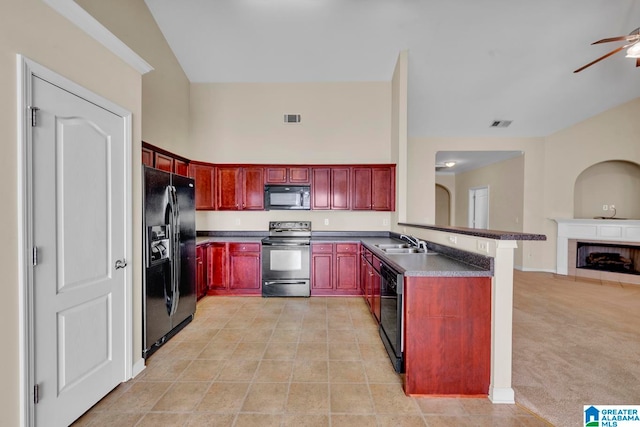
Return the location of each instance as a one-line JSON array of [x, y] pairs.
[[121, 263]]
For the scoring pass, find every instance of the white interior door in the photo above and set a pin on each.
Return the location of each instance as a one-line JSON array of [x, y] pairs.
[[479, 207], [78, 229]]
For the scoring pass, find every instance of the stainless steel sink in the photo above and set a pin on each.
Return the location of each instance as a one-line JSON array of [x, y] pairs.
[[405, 250], [385, 246]]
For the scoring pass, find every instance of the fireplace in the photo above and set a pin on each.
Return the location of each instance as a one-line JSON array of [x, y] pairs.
[[599, 249], [611, 257]]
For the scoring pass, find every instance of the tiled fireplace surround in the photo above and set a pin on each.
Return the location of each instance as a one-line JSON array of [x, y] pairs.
[[597, 231]]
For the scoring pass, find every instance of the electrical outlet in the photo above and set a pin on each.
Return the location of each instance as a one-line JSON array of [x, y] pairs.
[[237, 221], [612, 207], [326, 221], [385, 221], [453, 239], [605, 207], [482, 246]]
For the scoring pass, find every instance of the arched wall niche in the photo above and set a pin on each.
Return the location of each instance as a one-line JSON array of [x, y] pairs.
[[443, 205], [605, 184]]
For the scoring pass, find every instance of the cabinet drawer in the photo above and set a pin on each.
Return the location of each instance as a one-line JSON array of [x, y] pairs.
[[322, 247], [244, 247], [351, 248]]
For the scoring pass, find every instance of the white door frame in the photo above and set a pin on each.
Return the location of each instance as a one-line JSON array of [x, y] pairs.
[[25, 69], [472, 205]]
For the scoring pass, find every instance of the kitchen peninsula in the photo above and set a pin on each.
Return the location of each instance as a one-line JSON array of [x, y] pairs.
[[469, 265]]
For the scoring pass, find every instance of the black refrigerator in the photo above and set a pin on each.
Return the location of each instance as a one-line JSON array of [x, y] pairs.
[[169, 242]]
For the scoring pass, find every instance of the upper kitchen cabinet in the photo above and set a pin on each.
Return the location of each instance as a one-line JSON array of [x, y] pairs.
[[158, 158], [330, 188], [373, 188], [204, 176], [287, 175], [147, 157], [240, 188]]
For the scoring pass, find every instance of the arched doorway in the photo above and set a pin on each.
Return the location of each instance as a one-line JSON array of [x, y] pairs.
[[443, 206]]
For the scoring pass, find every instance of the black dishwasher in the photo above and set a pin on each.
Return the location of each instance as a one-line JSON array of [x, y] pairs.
[[391, 329]]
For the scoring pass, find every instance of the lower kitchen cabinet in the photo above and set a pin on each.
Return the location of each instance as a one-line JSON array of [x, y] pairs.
[[245, 267], [447, 335], [201, 276], [234, 268], [370, 281], [334, 269]]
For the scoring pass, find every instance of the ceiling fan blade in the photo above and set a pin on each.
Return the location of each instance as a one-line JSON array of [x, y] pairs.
[[615, 39], [614, 51]]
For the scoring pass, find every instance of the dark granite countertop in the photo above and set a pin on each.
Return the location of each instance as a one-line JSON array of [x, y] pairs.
[[439, 261], [489, 234]]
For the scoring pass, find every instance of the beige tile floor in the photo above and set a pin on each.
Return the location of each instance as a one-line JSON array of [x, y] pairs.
[[251, 361]]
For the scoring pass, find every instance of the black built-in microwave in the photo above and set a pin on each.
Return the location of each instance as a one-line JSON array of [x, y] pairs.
[[285, 197]]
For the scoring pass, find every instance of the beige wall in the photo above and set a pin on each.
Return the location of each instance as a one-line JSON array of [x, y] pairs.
[[551, 167], [506, 196], [165, 90], [506, 183], [399, 118], [243, 123], [31, 28]]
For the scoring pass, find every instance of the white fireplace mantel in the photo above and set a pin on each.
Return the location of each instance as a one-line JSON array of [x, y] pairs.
[[592, 230]]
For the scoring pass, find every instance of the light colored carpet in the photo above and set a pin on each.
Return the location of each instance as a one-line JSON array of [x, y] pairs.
[[575, 343]]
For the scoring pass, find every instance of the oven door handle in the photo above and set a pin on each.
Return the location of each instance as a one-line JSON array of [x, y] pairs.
[[285, 282], [283, 244]]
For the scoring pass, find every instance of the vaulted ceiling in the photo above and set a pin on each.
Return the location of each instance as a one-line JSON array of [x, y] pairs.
[[470, 62]]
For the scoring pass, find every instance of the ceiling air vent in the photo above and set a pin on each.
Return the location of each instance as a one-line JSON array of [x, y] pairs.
[[292, 118], [500, 123]]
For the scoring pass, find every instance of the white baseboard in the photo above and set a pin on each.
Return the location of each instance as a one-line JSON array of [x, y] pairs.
[[534, 270], [498, 395], [138, 367]]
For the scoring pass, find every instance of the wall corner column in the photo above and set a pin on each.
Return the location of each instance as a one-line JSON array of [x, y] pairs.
[[500, 388]]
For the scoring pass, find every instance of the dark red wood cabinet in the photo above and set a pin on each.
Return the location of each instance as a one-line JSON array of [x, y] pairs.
[[204, 176], [346, 267], [163, 162], [370, 281], [201, 277], [330, 188], [147, 157], [234, 268], [239, 188], [298, 175], [447, 335], [217, 267], [245, 267], [373, 188], [335, 269], [159, 158], [322, 259]]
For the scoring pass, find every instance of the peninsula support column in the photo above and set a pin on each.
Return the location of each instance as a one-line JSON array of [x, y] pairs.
[[500, 389]]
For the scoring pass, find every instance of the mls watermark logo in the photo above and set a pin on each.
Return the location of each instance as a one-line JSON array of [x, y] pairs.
[[611, 415]]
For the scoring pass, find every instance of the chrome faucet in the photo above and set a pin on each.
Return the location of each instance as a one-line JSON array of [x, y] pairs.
[[410, 239], [414, 241]]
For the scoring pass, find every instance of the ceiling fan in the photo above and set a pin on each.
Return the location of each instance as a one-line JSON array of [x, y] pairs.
[[632, 46]]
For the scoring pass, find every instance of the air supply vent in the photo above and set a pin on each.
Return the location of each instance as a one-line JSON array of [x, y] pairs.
[[292, 118], [500, 123]]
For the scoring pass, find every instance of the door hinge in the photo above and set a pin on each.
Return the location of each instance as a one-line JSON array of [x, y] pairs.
[[36, 394], [34, 115], [35, 255]]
